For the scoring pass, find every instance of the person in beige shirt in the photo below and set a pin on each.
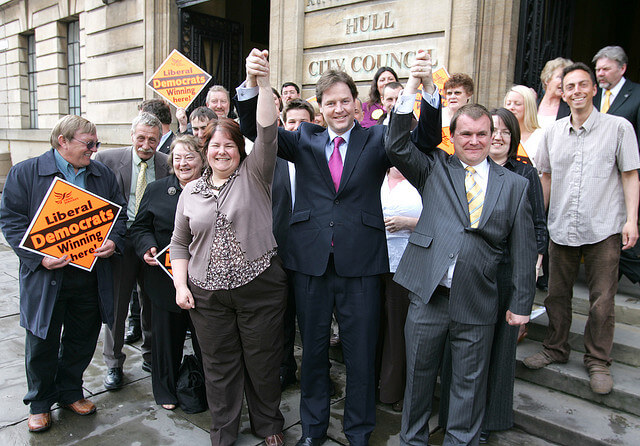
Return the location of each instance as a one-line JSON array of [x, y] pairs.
[[227, 273]]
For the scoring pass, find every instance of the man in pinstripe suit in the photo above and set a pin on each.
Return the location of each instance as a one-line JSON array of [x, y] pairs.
[[451, 260]]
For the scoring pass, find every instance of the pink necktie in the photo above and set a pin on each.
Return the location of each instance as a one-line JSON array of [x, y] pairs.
[[335, 162]]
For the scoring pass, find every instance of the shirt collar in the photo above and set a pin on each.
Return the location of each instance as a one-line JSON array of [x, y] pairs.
[[587, 125], [615, 90], [137, 160], [164, 138], [346, 135], [481, 169], [65, 166]]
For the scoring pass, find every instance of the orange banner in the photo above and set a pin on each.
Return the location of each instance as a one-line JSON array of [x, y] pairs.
[[70, 221], [178, 80], [164, 261], [446, 144]]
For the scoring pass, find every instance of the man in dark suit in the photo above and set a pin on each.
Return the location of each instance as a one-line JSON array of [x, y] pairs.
[[336, 246], [53, 293], [296, 112], [472, 209], [616, 95], [134, 168]]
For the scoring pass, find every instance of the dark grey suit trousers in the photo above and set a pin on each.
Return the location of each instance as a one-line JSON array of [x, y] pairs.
[[425, 333]]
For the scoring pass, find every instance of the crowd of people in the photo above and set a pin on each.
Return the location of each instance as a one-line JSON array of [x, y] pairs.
[[423, 238]]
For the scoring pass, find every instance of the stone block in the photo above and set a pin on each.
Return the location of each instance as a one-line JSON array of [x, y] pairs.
[[362, 65], [116, 89], [49, 61], [15, 55], [52, 76], [371, 22], [45, 16], [51, 106], [115, 64], [57, 44], [115, 15], [11, 28], [123, 38], [12, 70], [52, 91]]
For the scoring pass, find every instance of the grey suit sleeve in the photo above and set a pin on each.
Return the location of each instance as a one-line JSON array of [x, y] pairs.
[[522, 248], [402, 152]]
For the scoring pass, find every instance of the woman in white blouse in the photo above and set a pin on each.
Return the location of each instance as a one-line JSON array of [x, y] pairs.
[[401, 207]]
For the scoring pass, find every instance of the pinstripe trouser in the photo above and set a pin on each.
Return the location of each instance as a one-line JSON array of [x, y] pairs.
[[425, 333]]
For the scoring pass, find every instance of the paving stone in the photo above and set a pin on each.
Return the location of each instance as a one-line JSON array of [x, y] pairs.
[[13, 385], [10, 328], [564, 419], [123, 418], [573, 378]]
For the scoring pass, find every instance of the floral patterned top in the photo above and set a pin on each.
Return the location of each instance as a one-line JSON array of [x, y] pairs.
[[228, 268]]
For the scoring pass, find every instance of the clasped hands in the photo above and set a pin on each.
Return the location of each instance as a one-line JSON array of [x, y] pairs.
[[257, 65], [420, 73]]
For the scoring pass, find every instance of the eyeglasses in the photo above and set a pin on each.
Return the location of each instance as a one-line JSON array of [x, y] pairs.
[[502, 132], [90, 145]]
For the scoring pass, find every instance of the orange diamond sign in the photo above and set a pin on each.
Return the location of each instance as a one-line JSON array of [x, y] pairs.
[[70, 221], [178, 80]]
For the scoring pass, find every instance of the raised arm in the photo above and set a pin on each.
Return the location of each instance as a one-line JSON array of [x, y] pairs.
[[428, 134], [263, 157]]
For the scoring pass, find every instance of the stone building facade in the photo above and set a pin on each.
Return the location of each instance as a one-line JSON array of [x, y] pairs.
[[95, 56]]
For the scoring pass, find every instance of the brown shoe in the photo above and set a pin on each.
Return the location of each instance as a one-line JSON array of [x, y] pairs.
[[600, 379], [274, 440], [39, 422], [82, 407], [538, 361]]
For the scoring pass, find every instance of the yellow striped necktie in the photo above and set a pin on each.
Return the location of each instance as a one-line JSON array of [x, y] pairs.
[[607, 97], [475, 196], [141, 185]]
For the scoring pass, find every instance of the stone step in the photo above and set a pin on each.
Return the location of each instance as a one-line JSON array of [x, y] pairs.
[[627, 300], [567, 420], [572, 378], [626, 342]]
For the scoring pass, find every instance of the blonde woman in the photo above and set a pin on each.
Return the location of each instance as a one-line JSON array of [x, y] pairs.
[[521, 101], [552, 106]]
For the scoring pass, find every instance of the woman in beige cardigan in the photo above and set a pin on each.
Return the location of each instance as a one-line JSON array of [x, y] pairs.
[[227, 273]]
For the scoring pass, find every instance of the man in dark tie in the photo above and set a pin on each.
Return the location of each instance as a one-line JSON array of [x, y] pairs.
[[134, 168], [473, 209], [336, 246]]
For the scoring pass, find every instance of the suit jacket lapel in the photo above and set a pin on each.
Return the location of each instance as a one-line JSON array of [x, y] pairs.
[[318, 143], [624, 93], [125, 172], [494, 186], [456, 175], [357, 141]]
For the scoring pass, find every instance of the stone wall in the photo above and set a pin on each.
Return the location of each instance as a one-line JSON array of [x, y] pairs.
[[121, 45], [471, 36]]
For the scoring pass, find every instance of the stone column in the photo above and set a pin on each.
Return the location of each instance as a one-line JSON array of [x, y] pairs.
[[286, 41]]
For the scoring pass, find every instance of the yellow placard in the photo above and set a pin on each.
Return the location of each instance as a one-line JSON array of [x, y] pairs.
[[70, 221], [440, 76], [446, 144], [178, 80], [164, 261]]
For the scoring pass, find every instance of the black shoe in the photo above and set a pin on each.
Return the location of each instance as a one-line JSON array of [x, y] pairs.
[[146, 366], [287, 378], [113, 380], [308, 441], [134, 334], [484, 437]]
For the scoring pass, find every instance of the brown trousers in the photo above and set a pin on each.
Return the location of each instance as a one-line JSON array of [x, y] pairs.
[[241, 336], [601, 268]]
